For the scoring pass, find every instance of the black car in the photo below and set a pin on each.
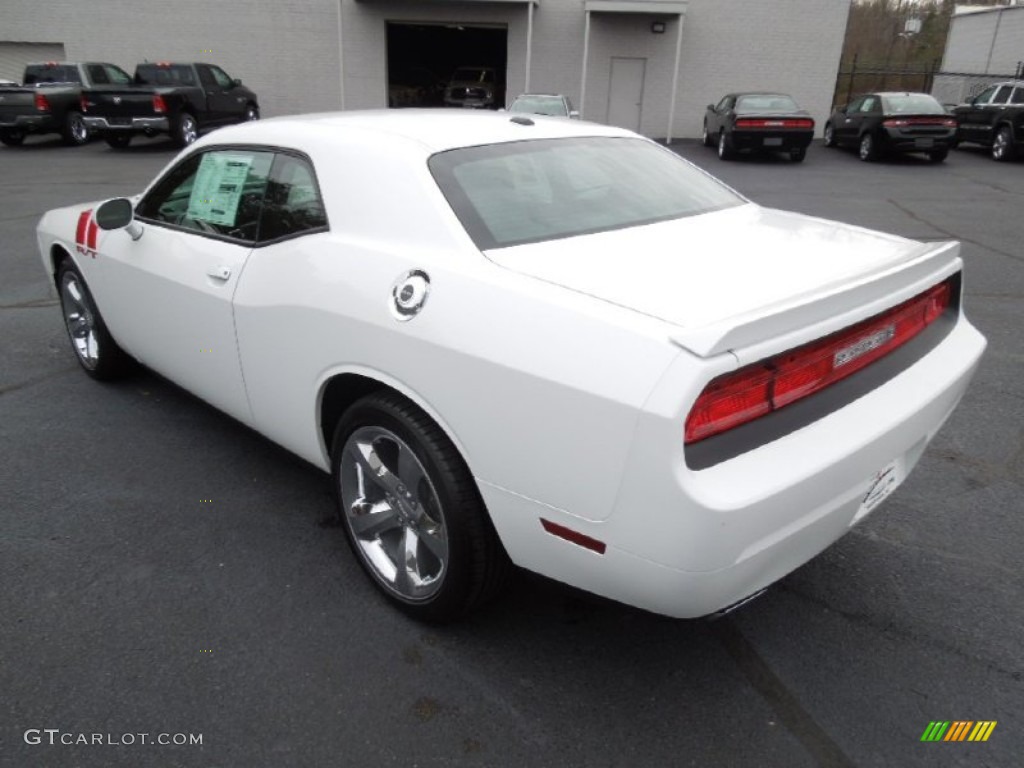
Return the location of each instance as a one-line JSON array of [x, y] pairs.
[[881, 123], [995, 119], [759, 122]]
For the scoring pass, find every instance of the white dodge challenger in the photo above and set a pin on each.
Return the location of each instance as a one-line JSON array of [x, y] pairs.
[[520, 340]]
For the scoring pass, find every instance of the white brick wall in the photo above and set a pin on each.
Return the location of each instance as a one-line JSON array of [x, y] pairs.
[[288, 52]]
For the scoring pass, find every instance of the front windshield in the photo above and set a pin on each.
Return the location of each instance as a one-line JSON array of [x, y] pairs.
[[531, 191], [539, 105]]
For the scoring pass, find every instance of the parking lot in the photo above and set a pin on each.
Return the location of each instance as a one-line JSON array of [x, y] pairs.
[[165, 570]]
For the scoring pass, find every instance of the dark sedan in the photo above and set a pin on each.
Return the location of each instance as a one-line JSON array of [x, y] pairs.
[[882, 123], [758, 122]]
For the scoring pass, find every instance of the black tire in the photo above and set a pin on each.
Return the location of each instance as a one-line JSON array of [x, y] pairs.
[[705, 137], [798, 155], [867, 149], [117, 140], [830, 136], [12, 138], [94, 347], [938, 155], [725, 150], [74, 133], [1002, 145], [185, 130], [252, 112], [442, 502]]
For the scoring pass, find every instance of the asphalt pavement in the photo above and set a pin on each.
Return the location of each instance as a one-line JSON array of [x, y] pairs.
[[164, 570]]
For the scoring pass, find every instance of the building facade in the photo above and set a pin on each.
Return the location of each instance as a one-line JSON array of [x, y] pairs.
[[985, 45], [648, 65]]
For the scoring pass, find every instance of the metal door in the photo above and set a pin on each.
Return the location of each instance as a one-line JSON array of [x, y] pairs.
[[626, 92]]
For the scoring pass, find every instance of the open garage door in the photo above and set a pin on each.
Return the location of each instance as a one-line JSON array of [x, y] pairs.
[[422, 58], [14, 57]]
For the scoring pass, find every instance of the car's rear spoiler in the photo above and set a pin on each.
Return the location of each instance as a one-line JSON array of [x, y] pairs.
[[803, 318]]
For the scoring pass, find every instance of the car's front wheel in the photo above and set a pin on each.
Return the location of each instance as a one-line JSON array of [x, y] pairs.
[[251, 113], [725, 150], [412, 511], [830, 135], [1002, 145], [868, 150], [94, 347]]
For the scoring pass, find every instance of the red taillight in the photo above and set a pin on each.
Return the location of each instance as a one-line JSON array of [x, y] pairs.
[[42, 103], [756, 390], [159, 106], [764, 122], [906, 122]]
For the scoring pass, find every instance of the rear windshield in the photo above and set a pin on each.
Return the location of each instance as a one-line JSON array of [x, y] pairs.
[[531, 191], [766, 102], [912, 103], [37, 74], [164, 74]]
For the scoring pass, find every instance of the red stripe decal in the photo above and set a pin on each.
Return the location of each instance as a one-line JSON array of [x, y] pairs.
[[83, 221], [93, 231]]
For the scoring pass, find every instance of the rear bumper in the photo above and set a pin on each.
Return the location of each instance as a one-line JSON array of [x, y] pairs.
[[898, 140], [771, 141], [688, 543], [29, 123], [133, 124]]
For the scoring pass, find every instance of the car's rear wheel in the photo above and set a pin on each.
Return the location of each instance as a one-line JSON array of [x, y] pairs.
[[1002, 145], [186, 130], [118, 140], [12, 138], [96, 350], [868, 150], [938, 155], [798, 155], [705, 137], [75, 132], [725, 150], [412, 511], [830, 135]]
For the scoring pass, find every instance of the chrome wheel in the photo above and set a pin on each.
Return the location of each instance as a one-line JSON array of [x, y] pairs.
[[830, 136], [251, 113], [188, 131], [80, 320], [77, 133], [393, 513], [724, 150], [867, 147], [1001, 147]]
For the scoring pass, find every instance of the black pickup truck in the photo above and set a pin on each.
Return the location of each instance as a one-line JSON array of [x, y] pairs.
[[49, 101], [178, 99], [994, 118]]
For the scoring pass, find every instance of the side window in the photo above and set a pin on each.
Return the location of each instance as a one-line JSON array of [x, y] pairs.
[[293, 204], [724, 104], [98, 74], [1018, 96], [219, 192], [854, 106], [870, 104], [206, 76], [984, 96], [221, 77], [1002, 95]]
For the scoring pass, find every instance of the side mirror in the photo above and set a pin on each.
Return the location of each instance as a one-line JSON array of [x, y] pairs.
[[711, 107], [236, 82], [574, 114], [118, 214]]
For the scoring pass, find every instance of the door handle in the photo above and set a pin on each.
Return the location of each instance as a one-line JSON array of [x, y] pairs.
[[219, 273]]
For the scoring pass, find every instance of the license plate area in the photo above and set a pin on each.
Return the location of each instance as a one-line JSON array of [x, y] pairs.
[[924, 143], [773, 141]]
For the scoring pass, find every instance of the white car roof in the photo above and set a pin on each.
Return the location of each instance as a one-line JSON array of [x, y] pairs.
[[432, 130]]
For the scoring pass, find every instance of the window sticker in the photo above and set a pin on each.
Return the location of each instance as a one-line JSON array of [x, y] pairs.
[[218, 188]]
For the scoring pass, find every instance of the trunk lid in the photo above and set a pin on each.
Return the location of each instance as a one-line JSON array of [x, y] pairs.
[[737, 277], [113, 101]]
